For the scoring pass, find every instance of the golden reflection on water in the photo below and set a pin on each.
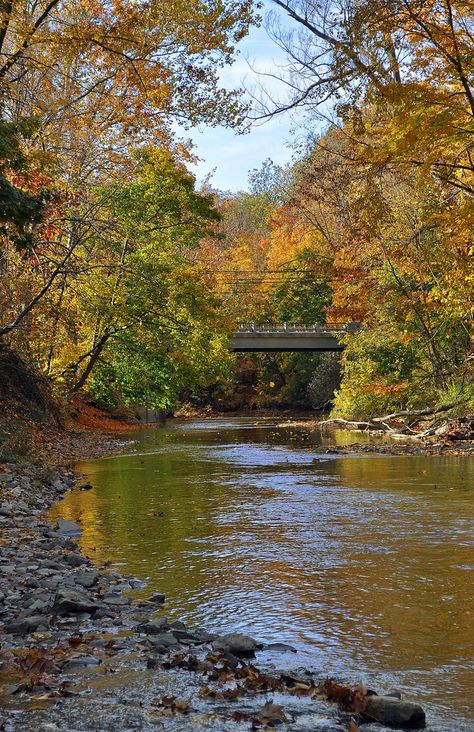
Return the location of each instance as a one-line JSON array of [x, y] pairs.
[[364, 563]]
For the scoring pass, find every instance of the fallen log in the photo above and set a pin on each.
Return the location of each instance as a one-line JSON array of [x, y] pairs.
[[426, 412], [381, 423], [347, 423]]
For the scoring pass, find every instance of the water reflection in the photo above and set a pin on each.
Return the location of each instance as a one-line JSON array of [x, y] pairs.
[[364, 563]]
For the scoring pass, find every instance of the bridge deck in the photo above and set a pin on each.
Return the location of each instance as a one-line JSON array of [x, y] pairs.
[[274, 338]]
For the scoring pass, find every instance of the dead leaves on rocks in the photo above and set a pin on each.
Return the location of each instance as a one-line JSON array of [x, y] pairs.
[[41, 671], [230, 679], [270, 716], [170, 706]]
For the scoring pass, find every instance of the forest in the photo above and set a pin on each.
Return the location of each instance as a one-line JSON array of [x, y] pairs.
[[195, 537], [122, 277]]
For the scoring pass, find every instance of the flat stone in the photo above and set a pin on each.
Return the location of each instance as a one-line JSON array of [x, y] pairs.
[[70, 602], [111, 598], [22, 626], [81, 662], [187, 637], [178, 625], [203, 635], [39, 605], [68, 528], [87, 579], [74, 559], [236, 643], [157, 625], [395, 713], [281, 647], [165, 640]]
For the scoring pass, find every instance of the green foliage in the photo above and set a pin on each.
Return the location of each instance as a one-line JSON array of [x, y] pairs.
[[303, 294], [162, 320], [20, 211], [384, 373]]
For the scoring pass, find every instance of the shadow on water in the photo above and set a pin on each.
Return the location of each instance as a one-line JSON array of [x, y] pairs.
[[365, 563]]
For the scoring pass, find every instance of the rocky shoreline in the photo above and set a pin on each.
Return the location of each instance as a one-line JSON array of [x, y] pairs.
[[75, 646]]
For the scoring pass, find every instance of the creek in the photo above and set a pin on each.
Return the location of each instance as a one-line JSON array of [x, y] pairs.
[[362, 562]]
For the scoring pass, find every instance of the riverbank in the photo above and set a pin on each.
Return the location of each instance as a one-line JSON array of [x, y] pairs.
[[76, 644]]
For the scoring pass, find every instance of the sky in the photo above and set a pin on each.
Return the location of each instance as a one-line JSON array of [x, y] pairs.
[[230, 156]]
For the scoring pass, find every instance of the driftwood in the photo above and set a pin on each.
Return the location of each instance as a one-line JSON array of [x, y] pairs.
[[347, 423], [428, 411], [381, 423]]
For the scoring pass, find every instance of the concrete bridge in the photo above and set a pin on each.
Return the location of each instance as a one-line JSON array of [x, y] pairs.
[[264, 338]]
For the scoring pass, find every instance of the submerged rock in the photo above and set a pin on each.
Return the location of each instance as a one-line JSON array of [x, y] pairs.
[[281, 647], [395, 712]]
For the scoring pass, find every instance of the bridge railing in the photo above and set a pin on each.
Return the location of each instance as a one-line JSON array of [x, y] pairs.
[[329, 328]]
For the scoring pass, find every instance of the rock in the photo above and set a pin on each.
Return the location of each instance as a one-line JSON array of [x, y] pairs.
[[21, 626], [113, 598], [203, 635], [282, 647], [178, 625], [39, 605], [70, 602], [87, 579], [395, 713], [186, 637], [59, 485], [236, 643], [157, 597], [74, 559], [68, 528], [163, 641], [152, 627], [81, 662]]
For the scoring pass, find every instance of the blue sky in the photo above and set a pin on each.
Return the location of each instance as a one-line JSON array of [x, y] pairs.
[[233, 155]]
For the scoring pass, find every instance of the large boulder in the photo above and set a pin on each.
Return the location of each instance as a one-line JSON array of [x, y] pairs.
[[395, 712]]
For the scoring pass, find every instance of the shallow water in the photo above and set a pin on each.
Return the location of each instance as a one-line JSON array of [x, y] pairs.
[[364, 563]]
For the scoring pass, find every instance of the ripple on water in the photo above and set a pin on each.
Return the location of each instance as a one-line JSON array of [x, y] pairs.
[[362, 563]]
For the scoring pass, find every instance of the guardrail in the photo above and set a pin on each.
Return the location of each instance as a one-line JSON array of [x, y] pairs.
[[285, 328]]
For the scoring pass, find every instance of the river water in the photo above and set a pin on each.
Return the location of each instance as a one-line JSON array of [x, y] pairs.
[[363, 563]]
